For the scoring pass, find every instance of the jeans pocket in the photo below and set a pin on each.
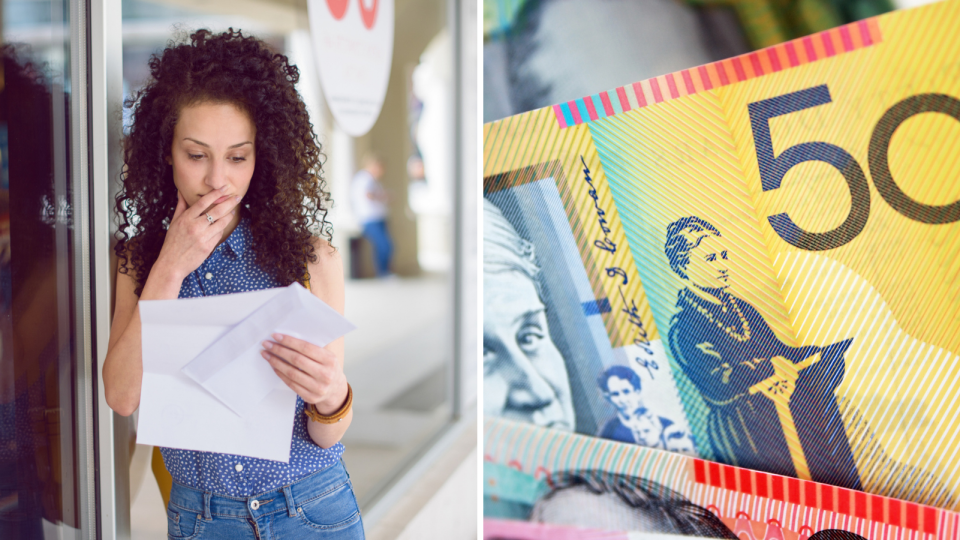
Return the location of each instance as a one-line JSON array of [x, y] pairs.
[[183, 524], [334, 510]]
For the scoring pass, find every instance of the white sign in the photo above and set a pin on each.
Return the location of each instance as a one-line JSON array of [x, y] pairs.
[[353, 41]]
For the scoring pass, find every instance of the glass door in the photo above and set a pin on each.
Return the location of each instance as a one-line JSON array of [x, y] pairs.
[[45, 407]]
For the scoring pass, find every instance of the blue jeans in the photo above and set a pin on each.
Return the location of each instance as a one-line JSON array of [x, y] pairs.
[[321, 505], [376, 233]]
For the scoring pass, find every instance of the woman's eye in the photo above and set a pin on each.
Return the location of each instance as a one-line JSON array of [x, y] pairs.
[[528, 338], [238, 159], [196, 157]]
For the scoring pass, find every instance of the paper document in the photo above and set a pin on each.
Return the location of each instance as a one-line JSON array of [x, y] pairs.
[[233, 369], [178, 412]]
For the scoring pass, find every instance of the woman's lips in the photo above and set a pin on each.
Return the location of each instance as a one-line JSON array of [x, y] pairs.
[[225, 198]]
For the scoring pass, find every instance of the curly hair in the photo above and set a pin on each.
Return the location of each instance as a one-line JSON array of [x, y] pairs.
[[287, 201]]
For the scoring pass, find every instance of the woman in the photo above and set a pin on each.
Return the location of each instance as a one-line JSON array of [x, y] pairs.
[[731, 355], [524, 375], [222, 194]]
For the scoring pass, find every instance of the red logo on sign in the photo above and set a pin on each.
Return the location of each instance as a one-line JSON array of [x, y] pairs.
[[338, 8]]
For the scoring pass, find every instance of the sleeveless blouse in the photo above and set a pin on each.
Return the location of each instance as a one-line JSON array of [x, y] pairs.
[[232, 268]]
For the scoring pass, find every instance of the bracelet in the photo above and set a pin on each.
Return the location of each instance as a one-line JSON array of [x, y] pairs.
[[315, 416]]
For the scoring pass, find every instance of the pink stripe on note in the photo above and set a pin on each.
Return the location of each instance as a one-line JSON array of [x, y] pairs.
[[641, 98], [738, 69], [827, 44], [575, 111], [865, 36], [722, 72], [655, 88], [607, 106], [560, 119], [774, 59], [705, 78], [846, 38], [755, 63], [792, 54], [672, 86], [808, 48], [624, 102], [591, 110], [688, 82]]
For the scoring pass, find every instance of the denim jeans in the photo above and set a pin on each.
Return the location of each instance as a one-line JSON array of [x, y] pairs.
[[321, 505], [376, 233]]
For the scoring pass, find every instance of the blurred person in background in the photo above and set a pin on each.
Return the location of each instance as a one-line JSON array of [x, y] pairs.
[[369, 199]]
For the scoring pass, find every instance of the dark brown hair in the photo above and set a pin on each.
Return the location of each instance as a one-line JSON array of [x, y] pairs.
[[287, 201]]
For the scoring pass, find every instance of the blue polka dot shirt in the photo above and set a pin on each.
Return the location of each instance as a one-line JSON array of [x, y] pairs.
[[232, 268]]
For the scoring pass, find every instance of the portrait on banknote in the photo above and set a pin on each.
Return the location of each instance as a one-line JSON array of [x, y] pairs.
[[547, 484], [548, 358], [634, 422], [747, 375], [785, 224]]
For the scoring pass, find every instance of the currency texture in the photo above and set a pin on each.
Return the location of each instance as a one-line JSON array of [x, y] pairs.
[[754, 261], [542, 483]]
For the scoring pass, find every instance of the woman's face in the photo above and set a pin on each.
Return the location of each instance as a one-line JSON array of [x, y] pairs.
[[708, 267], [624, 396], [213, 147], [524, 375]]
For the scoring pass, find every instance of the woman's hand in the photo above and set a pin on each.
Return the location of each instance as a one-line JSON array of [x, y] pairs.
[[314, 373], [191, 237]]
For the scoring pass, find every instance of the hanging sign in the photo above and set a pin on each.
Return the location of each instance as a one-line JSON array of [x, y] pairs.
[[353, 44]]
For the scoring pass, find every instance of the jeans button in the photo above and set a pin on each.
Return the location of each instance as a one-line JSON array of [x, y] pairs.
[[255, 504]]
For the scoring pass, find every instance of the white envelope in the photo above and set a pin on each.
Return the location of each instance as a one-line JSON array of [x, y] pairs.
[[176, 411], [232, 368]]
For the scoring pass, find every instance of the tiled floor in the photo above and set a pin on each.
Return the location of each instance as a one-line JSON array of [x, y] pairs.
[[397, 362]]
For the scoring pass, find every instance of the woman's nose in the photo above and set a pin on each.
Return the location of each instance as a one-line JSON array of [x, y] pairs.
[[528, 388], [216, 176]]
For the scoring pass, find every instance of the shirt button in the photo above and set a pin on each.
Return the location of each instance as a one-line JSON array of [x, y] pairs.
[[239, 467], [254, 504], [208, 275]]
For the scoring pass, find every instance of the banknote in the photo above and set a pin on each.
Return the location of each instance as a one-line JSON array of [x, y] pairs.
[[541, 483], [786, 226]]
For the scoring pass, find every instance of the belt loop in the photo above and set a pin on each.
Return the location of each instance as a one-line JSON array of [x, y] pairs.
[[206, 506], [291, 506]]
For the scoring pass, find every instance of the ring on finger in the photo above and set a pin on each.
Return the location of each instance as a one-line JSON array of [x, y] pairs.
[[210, 219]]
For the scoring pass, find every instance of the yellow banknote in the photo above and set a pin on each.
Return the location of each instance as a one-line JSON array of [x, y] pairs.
[[794, 218]]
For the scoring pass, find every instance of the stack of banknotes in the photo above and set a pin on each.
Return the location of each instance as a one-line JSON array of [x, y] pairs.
[[725, 302]]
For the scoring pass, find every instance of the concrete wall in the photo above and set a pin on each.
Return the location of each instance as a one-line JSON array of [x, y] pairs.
[[417, 22]]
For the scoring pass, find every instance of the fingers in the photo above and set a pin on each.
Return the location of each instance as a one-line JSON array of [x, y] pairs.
[[223, 209], [181, 205], [314, 364], [215, 230], [318, 354], [205, 202], [312, 386]]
